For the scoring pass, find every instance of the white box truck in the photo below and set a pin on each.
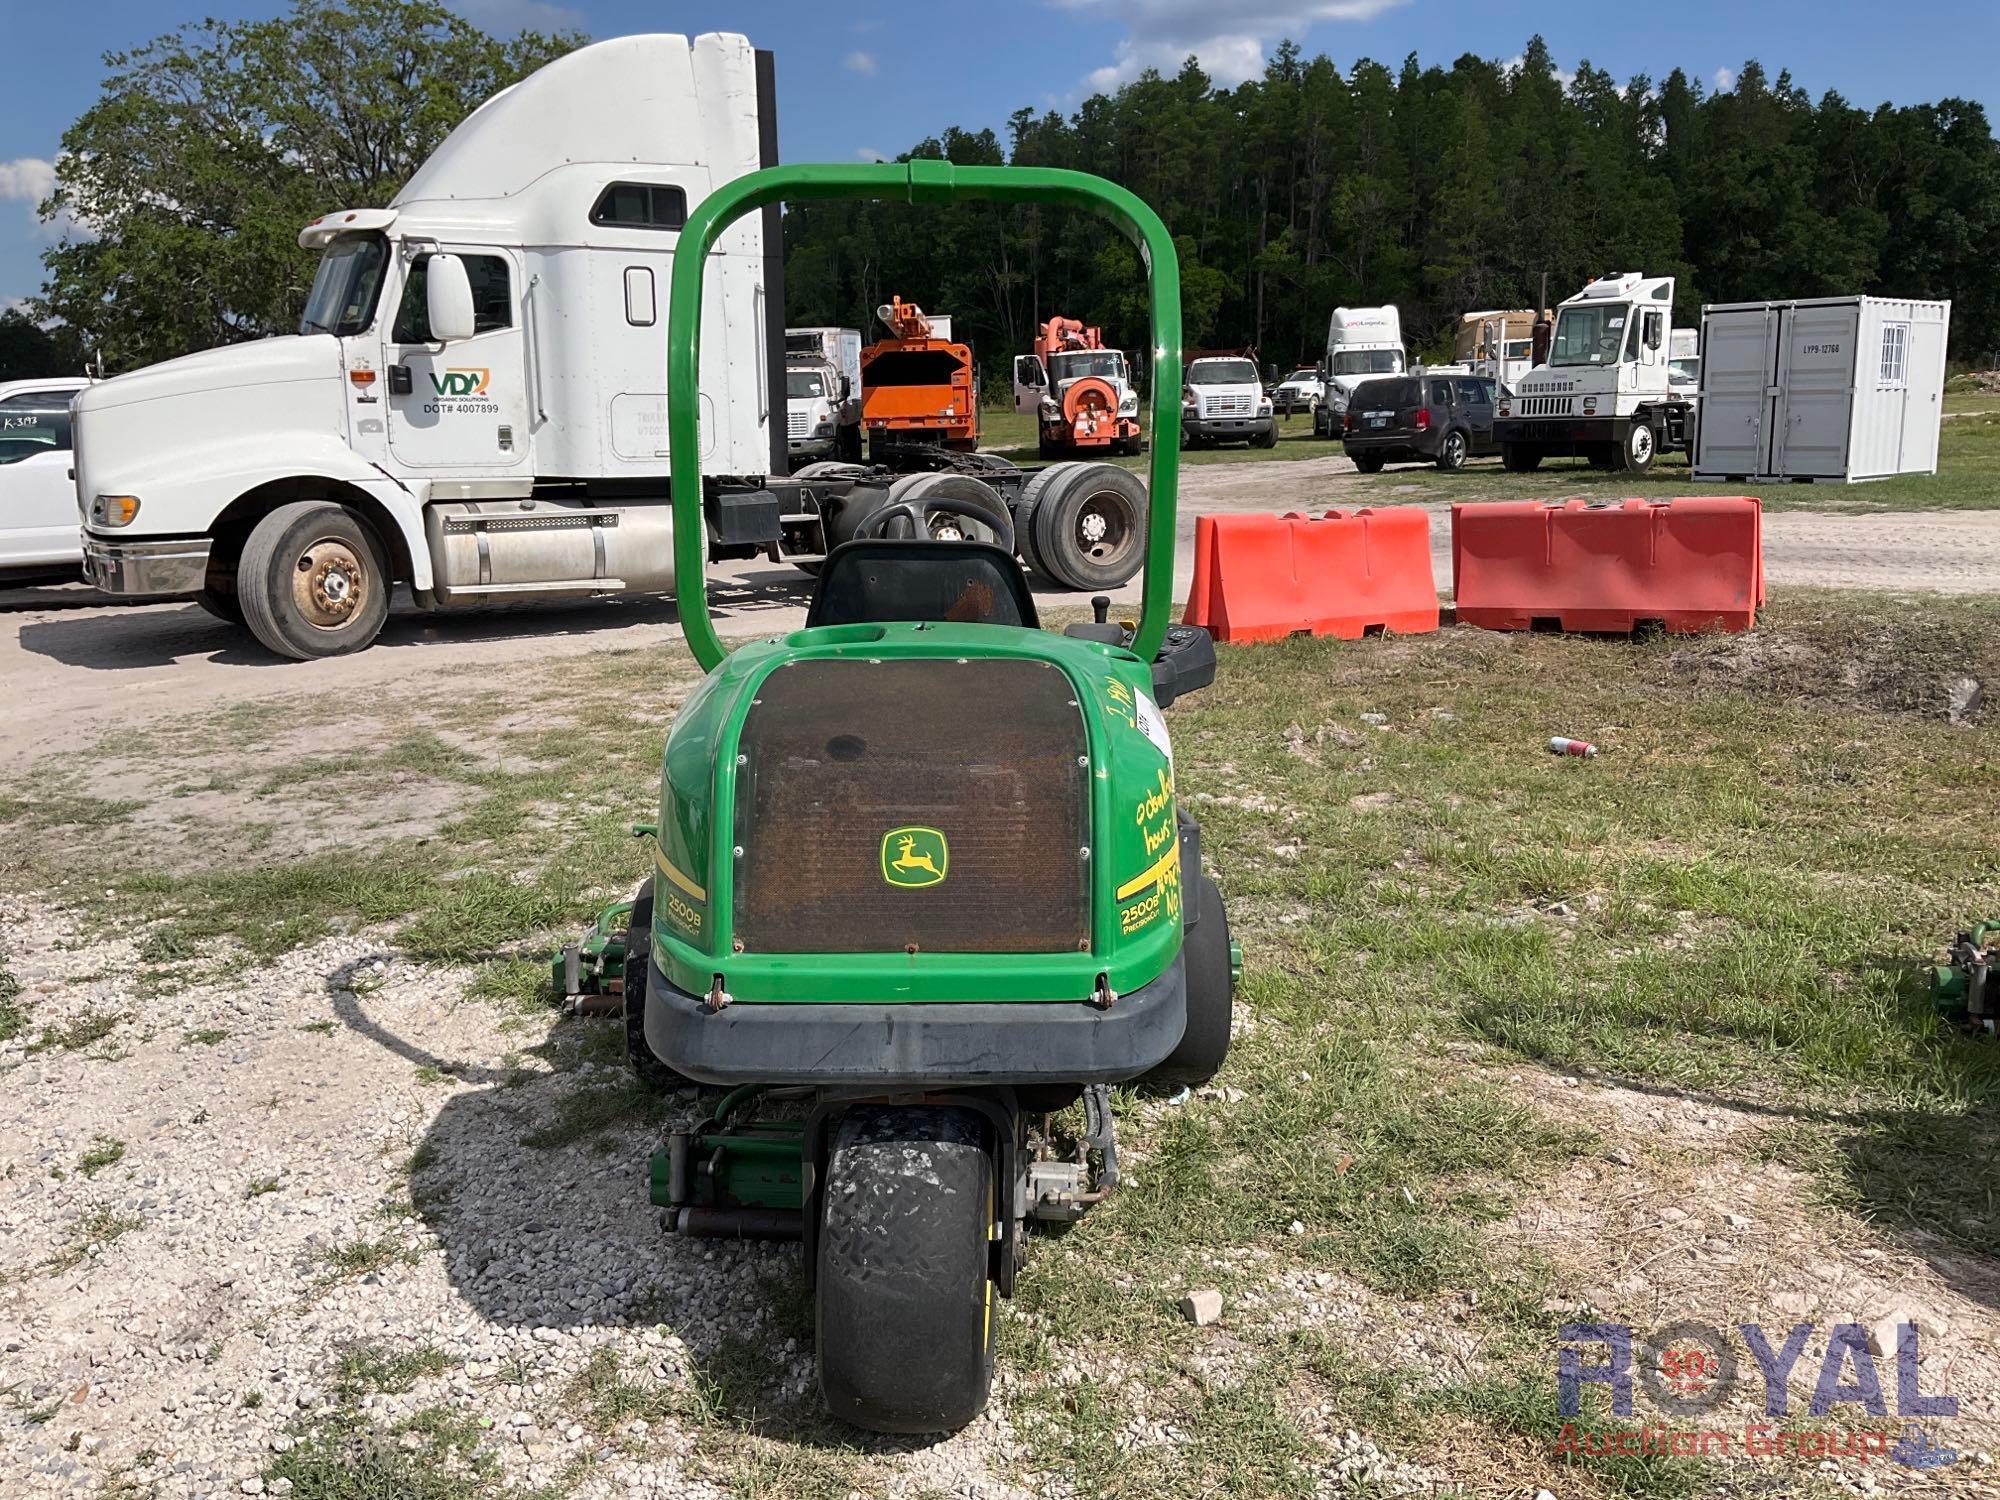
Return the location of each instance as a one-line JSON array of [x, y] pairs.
[[822, 393], [1828, 390], [474, 406], [1607, 392], [1362, 343]]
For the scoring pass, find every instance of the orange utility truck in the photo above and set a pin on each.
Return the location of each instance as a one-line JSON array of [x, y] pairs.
[[917, 386], [1080, 391]]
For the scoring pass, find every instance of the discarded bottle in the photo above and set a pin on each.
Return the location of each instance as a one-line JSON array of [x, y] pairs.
[[1562, 746]]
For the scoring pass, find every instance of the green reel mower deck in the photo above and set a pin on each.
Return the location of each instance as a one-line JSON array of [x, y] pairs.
[[921, 879]]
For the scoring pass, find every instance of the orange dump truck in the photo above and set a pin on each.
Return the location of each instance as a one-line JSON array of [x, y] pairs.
[[1080, 392], [917, 386]]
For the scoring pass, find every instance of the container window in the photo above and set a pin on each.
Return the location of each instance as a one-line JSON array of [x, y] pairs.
[[641, 205], [1895, 355]]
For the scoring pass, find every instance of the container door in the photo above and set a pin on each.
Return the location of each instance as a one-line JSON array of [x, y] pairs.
[[1922, 397], [465, 411], [1816, 406], [1736, 376]]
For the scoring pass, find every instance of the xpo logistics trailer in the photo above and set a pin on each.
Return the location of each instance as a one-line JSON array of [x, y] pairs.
[[475, 405]]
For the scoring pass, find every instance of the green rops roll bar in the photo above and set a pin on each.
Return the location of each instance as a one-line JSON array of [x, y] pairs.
[[916, 182]]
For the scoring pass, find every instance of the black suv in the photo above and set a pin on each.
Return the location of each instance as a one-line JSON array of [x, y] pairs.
[[1420, 418]]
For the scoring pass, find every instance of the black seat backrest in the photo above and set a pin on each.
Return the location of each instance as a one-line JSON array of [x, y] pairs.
[[882, 580]]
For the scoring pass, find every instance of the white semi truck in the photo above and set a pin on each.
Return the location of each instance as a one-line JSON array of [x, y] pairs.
[[1362, 343], [474, 406], [1607, 392]]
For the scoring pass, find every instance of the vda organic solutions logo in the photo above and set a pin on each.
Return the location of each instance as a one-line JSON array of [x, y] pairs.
[[1688, 1370], [460, 383], [914, 857]]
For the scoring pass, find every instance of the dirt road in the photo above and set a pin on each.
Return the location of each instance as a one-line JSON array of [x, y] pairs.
[[72, 664]]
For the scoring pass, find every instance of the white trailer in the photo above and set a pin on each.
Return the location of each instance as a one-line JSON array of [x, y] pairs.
[[1828, 390]]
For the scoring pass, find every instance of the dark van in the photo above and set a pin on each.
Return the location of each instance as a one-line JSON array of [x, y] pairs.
[[1420, 418]]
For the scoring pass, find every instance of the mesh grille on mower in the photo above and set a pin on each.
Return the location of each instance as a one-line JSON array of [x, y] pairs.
[[979, 763]]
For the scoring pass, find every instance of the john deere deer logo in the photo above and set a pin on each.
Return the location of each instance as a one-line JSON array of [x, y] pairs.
[[914, 857], [462, 382]]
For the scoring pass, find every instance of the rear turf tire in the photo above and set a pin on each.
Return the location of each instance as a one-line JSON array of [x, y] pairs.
[[1204, 1046], [311, 581], [904, 1320], [649, 1070]]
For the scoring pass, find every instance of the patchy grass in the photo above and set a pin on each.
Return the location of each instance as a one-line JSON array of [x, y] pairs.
[[103, 1152], [90, 1234], [368, 1368], [207, 1036], [79, 1033], [363, 1258], [13, 1016]]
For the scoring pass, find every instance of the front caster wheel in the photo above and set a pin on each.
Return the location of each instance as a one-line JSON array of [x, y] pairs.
[[905, 1304]]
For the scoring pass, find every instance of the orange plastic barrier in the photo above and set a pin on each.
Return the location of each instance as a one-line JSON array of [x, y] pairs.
[[1345, 574], [1691, 564]]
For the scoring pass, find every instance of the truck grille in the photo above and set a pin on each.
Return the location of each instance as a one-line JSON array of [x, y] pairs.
[[979, 763], [796, 423], [1543, 406], [1226, 406]]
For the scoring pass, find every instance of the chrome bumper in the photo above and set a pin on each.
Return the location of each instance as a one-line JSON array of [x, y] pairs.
[[145, 568]]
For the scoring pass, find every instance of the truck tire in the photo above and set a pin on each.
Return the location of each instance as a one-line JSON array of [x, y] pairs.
[[1453, 450], [1268, 439], [1517, 458], [1090, 530], [1024, 515], [1367, 461], [312, 581], [1640, 448], [650, 1071], [1204, 1046], [904, 1315]]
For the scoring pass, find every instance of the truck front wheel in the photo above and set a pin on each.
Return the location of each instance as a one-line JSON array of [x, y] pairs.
[[1635, 454], [312, 581], [1517, 458]]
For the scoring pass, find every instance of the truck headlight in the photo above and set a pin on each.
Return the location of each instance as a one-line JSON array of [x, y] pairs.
[[1049, 407], [114, 510], [1264, 407], [823, 428], [1128, 404]]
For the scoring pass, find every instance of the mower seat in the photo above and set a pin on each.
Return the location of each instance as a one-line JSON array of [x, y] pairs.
[[884, 580]]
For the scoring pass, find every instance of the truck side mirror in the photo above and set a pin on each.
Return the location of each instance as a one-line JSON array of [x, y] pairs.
[[1652, 330], [448, 298], [846, 388]]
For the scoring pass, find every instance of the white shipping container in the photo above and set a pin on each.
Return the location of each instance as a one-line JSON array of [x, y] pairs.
[[1828, 389]]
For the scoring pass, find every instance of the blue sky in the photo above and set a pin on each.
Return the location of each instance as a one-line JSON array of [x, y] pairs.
[[858, 79]]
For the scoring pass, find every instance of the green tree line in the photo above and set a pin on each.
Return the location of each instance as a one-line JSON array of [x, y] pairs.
[[1439, 189], [1442, 190]]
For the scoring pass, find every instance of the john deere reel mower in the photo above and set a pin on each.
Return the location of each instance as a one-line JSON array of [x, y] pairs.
[[921, 880]]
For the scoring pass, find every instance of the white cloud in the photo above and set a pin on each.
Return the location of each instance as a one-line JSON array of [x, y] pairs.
[[27, 179], [1229, 40], [10, 304], [860, 62], [1513, 65], [1725, 80], [506, 17], [868, 153]]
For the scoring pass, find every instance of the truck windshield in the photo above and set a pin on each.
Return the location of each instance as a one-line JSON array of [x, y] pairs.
[[1588, 335], [1222, 372], [1108, 364], [342, 300], [1368, 362], [804, 385]]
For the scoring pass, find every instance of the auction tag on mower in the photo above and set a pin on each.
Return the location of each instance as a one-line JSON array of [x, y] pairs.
[[1149, 721]]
